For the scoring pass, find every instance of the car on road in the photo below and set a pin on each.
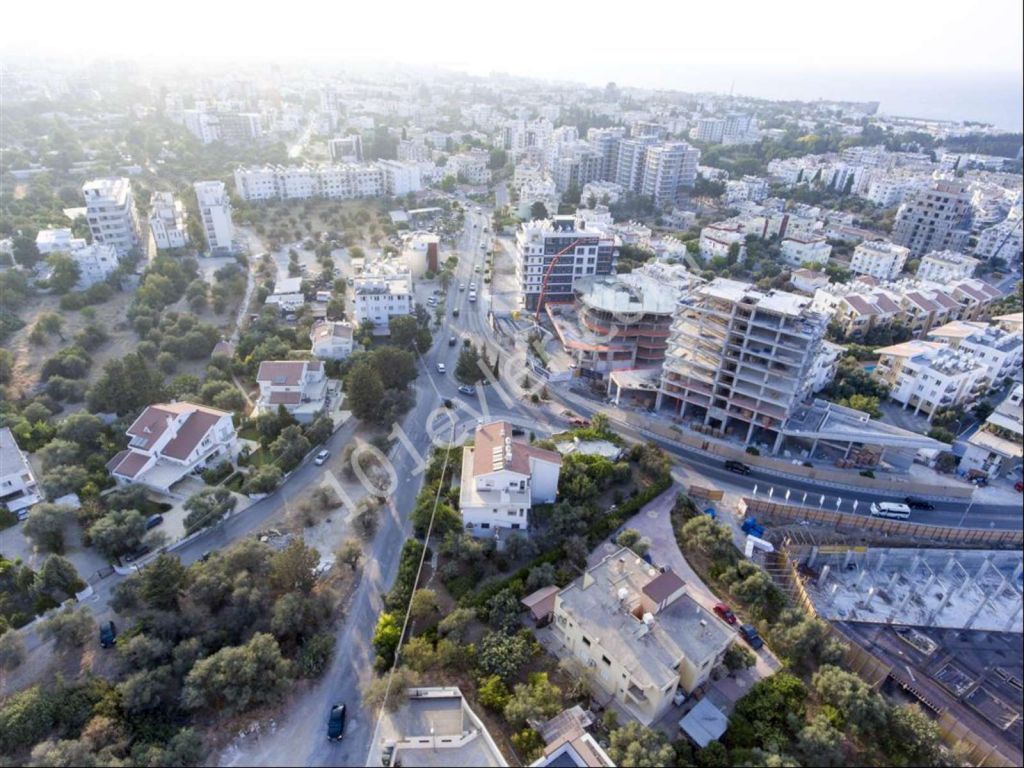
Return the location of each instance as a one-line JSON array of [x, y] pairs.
[[440, 368], [476, 268], [336, 723], [579, 422], [153, 521], [466, 389], [749, 633], [724, 612], [108, 634], [451, 341], [462, 286], [737, 466], [455, 312], [472, 295], [432, 301], [472, 286], [321, 458], [915, 503]]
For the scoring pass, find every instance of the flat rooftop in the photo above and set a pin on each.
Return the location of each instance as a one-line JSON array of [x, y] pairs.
[[629, 294]]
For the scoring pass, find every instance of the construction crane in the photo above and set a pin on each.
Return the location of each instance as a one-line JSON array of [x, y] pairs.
[[547, 274]]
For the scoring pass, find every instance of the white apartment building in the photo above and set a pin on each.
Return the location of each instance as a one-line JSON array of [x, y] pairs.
[[715, 239], [999, 350], [559, 250], [95, 262], [170, 441], [879, 259], [638, 634], [998, 447], [254, 184], [802, 250], [826, 363], [400, 178], [110, 211], [470, 167], [57, 240], [298, 385], [346, 149], [667, 167], [710, 130], [421, 252], [336, 182], [380, 293], [502, 478], [413, 151], [167, 221], [1004, 241], [18, 487], [934, 218], [739, 360], [926, 376], [332, 340], [945, 266], [886, 190], [215, 213]]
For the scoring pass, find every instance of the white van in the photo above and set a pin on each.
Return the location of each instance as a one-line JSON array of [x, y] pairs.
[[890, 510]]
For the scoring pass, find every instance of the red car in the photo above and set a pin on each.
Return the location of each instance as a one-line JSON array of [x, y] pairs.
[[1019, 486], [725, 613]]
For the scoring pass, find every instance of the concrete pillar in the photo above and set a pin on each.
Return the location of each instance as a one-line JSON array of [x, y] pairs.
[[1017, 571], [813, 556], [824, 576], [1011, 622], [814, 447], [892, 581], [881, 561], [860, 579], [949, 565], [847, 558]]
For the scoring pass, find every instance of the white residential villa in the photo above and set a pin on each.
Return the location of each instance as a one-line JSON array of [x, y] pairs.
[[332, 340], [299, 385], [172, 440], [18, 488]]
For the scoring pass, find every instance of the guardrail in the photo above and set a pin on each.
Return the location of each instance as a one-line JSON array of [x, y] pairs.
[[791, 513]]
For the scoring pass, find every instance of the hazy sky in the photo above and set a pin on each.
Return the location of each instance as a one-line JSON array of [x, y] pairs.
[[797, 48]]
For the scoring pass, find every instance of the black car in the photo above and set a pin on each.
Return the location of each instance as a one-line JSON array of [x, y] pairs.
[[153, 521], [913, 503], [336, 723], [451, 341], [749, 633], [737, 466], [108, 634]]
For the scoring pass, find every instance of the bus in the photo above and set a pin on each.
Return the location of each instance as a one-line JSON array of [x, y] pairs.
[[890, 510]]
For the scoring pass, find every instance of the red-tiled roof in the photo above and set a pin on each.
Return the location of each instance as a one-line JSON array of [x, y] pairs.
[[663, 586], [129, 464], [282, 373], [494, 450], [191, 433]]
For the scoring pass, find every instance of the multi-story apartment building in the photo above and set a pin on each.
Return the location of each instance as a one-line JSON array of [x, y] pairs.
[[999, 350], [739, 359], [632, 157], [605, 142], [710, 130], [1004, 241], [927, 376], [336, 182], [18, 487], [667, 167], [170, 441], [239, 127], [380, 293], [997, 448], [95, 262], [110, 211], [638, 634], [935, 218], [215, 214], [298, 385], [346, 149], [413, 151], [716, 239], [502, 478], [470, 167], [53, 240], [167, 221], [879, 259], [798, 250], [945, 266], [560, 250]]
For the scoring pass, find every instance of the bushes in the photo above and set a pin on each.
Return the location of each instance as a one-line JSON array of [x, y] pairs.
[[405, 581]]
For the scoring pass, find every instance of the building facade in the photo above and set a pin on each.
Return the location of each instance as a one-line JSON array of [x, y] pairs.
[[167, 221], [300, 386], [110, 211], [879, 259], [18, 487], [935, 218], [215, 214]]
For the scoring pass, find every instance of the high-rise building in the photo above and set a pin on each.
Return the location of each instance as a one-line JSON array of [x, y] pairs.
[[215, 213], [739, 359], [667, 167], [587, 252], [110, 211], [936, 218], [605, 142], [167, 221], [709, 130]]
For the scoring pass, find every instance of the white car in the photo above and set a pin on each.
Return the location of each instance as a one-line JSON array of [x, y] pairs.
[[440, 368], [472, 286], [472, 296], [321, 457]]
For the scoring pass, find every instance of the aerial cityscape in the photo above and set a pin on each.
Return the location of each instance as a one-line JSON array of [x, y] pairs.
[[458, 386]]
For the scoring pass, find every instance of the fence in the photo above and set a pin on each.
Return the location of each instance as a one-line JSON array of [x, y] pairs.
[[971, 748], [789, 513]]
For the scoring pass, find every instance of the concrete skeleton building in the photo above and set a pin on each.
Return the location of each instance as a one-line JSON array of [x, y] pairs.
[[110, 211], [637, 633], [502, 478], [739, 360], [346, 149], [588, 252], [167, 221], [215, 215]]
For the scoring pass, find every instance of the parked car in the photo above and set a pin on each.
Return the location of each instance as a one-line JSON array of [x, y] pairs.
[[579, 422], [336, 723], [140, 552], [915, 503], [440, 368], [153, 521], [725, 613], [749, 633], [108, 634], [737, 466], [462, 286], [466, 389], [451, 341], [321, 458]]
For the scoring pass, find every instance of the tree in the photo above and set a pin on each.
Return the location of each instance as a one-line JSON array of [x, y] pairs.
[[25, 718], [911, 737], [403, 331], [119, 532], [538, 699], [25, 251], [805, 641], [636, 745], [235, 679], [57, 579], [262, 480], [46, 525], [12, 650], [293, 569], [83, 429], [126, 385], [386, 637], [714, 755], [631, 538], [208, 507], [503, 611], [820, 743], [424, 605], [454, 625], [162, 582], [714, 539], [148, 690], [64, 272], [468, 370], [351, 553], [538, 211], [504, 655], [400, 681], [70, 628], [364, 391], [738, 657], [290, 446], [766, 716], [861, 708]]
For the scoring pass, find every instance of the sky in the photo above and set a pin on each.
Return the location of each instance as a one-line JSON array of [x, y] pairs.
[[948, 59]]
